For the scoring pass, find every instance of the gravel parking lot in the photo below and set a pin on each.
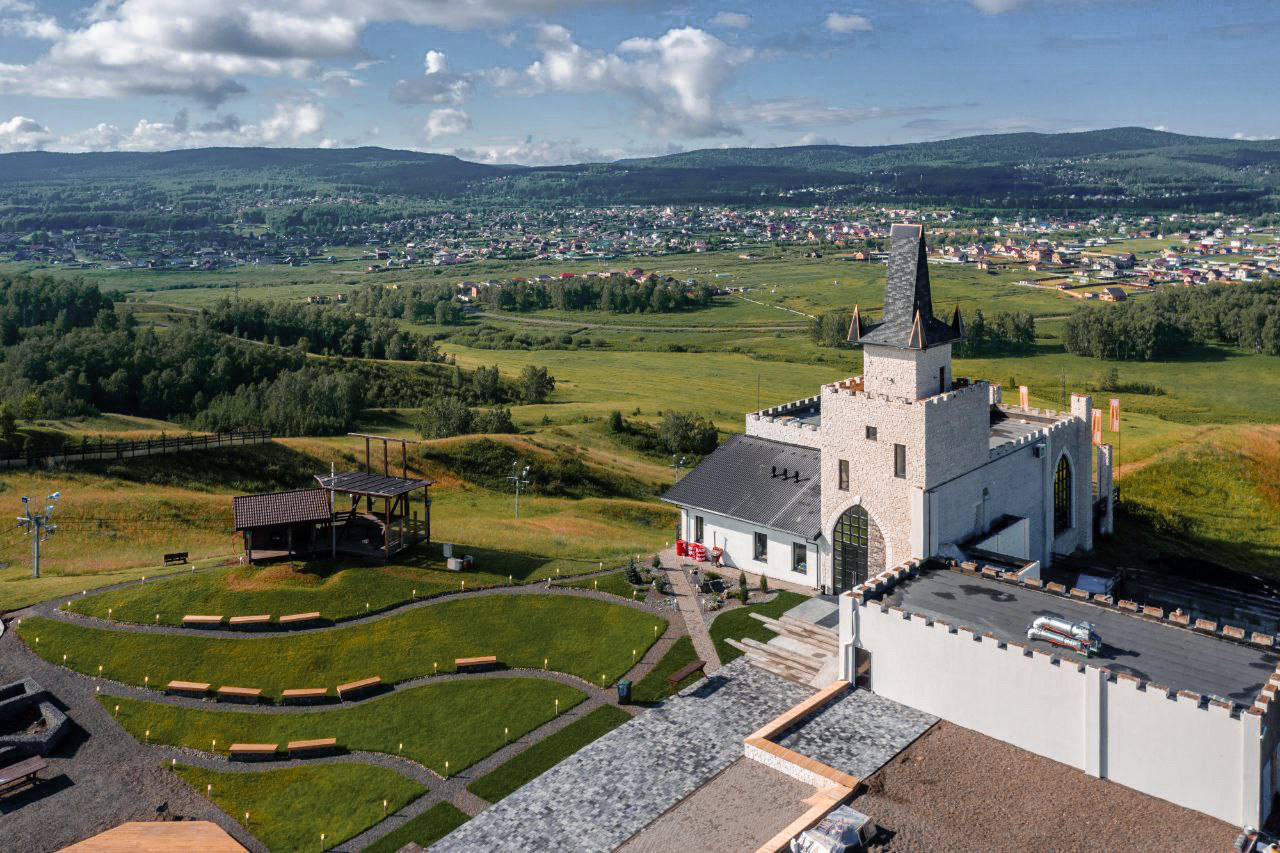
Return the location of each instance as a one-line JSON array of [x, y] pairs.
[[957, 790]]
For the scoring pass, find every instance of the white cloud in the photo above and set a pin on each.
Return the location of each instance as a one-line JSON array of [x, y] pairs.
[[995, 7], [438, 83], [202, 50], [805, 111], [676, 80], [732, 20], [296, 122], [838, 23], [23, 134], [538, 152], [446, 121]]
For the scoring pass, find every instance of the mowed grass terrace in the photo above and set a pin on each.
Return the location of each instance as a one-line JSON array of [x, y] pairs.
[[458, 721], [594, 640], [289, 809]]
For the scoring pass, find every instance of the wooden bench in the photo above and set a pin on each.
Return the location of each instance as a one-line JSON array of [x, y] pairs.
[[198, 621], [482, 662], [175, 559], [248, 695], [249, 621], [22, 773], [300, 618], [304, 695], [684, 672], [252, 750], [323, 744], [352, 687], [197, 687]]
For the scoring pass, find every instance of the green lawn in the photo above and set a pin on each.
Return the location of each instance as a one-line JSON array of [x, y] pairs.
[[547, 753], [289, 809], [585, 637], [614, 583], [424, 830], [653, 687], [737, 623], [460, 722]]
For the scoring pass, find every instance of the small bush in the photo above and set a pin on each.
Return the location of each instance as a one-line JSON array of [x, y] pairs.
[[764, 584]]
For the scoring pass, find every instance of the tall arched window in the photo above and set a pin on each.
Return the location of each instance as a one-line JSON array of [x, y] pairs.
[[850, 539], [1062, 496]]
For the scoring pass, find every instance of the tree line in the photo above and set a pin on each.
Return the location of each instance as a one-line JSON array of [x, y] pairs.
[[1171, 321], [320, 330], [1006, 332], [618, 294]]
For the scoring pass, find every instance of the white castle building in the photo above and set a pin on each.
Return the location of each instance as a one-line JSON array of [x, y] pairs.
[[906, 461]]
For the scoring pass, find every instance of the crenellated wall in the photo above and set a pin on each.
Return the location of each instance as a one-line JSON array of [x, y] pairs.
[[1197, 751]]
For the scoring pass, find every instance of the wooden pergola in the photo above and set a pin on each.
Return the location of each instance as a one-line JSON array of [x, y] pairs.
[[380, 520]]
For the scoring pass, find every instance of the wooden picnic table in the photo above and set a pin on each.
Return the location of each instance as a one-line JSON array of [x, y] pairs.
[[240, 694], [241, 621], [467, 663], [21, 773], [323, 743], [199, 687], [253, 749], [304, 694], [196, 620], [295, 618]]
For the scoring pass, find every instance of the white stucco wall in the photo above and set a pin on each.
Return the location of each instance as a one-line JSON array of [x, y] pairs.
[[911, 374], [737, 540], [1171, 748]]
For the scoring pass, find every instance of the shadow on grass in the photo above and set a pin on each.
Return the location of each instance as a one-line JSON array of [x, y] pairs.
[[255, 468]]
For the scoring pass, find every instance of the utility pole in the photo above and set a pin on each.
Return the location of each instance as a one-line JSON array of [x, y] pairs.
[[519, 479], [676, 464], [36, 525]]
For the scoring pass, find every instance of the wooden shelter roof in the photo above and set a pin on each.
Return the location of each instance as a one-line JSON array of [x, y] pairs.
[[160, 837], [296, 507], [374, 485]]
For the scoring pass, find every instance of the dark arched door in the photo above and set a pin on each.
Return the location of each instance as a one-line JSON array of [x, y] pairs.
[[850, 540]]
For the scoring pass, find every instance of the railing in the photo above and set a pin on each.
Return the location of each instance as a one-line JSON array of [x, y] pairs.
[[90, 451]]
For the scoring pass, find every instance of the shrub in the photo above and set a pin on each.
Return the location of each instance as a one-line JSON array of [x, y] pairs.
[[764, 584], [743, 592]]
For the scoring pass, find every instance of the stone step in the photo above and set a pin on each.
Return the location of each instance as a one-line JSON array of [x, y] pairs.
[[805, 663], [827, 640]]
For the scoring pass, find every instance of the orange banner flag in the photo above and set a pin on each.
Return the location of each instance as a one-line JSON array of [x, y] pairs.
[[1024, 397], [1115, 414], [1097, 426]]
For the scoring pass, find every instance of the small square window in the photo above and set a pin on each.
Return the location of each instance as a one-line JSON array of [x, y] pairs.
[[900, 461], [871, 433], [762, 548], [799, 558], [844, 475]]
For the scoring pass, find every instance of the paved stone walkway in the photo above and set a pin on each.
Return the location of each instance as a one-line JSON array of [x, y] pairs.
[[857, 733], [614, 787], [691, 612]]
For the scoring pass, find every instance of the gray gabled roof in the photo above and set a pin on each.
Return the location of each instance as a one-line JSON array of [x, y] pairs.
[[908, 321], [296, 507], [743, 479], [375, 485]]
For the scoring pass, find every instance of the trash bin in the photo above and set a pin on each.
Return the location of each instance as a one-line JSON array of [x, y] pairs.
[[624, 692]]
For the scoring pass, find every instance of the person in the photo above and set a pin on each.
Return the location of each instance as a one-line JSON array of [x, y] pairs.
[[1247, 841]]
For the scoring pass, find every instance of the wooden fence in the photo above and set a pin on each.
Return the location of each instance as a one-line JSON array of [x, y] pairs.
[[91, 451]]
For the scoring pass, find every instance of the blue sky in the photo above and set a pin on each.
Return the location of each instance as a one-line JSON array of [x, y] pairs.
[[554, 81]]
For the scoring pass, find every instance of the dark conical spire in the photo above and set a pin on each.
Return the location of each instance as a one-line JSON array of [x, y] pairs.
[[908, 303]]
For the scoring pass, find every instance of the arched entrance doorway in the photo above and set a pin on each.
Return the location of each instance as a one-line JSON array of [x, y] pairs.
[[851, 545]]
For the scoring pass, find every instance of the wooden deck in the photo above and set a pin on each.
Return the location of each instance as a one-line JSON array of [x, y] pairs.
[[160, 837]]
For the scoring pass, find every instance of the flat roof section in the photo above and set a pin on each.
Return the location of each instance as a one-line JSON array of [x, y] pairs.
[[1174, 657], [1007, 426]]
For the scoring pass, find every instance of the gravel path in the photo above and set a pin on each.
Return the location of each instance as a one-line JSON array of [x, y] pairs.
[[99, 777], [124, 780]]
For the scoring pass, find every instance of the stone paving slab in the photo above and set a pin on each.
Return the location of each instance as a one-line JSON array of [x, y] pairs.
[[820, 610], [611, 789], [858, 733]]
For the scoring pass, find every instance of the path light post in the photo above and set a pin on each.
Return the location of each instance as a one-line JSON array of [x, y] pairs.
[[518, 479], [677, 462], [36, 524]]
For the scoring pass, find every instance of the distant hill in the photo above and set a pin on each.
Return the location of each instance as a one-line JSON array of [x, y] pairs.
[[1115, 168]]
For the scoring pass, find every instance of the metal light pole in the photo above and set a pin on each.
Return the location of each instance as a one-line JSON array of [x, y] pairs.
[[36, 524], [520, 479], [676, 464]]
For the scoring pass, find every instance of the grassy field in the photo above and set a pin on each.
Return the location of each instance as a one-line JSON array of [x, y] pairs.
[[460, 722], [580, 636], [424, 830], [614, 583], [653, 687], [290, 809], [547, 753], [737, 623]]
